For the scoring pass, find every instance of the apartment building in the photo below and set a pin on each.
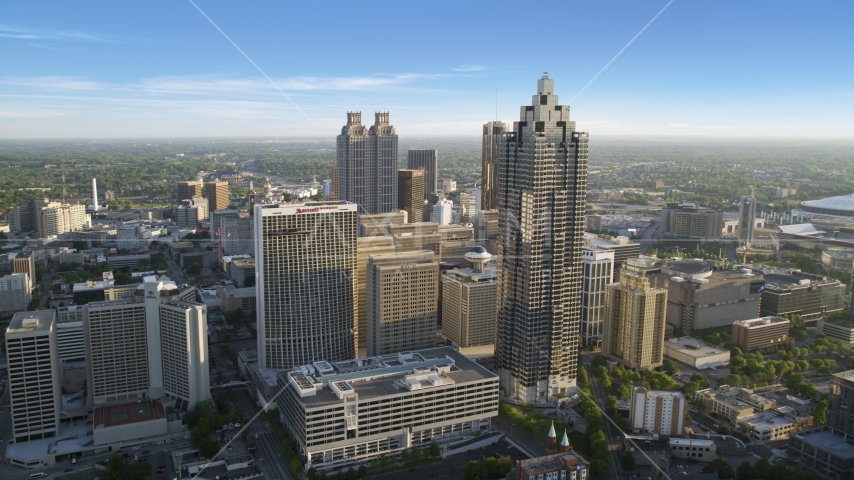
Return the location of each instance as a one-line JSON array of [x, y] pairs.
[[657, 411], [633, 324], [15, 293], [342, 413]]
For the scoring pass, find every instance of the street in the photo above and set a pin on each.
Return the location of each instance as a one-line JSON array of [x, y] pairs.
[[612, 437]]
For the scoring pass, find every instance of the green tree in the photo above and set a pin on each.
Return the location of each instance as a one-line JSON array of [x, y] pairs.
[[296, 465], [492, 467], [720, 466], [611, 403], [745, 471], [671, 368], [762, 468], [819, 412], [139, 471], [472, 471], [404, 456], [194, 268], [117, 465], [724, 430], [375, 464], [383, 461], [416, 453], [435, 451], [628, 461]]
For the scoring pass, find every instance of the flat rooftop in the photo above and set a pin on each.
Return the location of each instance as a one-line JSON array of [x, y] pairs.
[[26, 322], [768, 419], [693, 347], [125, 413], [830, 442], [551, 462], [382, 376], [843, 319], [761, 322]]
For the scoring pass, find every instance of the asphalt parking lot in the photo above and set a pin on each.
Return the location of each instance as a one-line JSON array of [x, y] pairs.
[[452, 467]]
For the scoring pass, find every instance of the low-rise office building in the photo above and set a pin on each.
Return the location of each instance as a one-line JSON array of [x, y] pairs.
[[697, 449], [733, 404], [749, 335], [838, 327], [690, 219], [340, 413], [695, 353], [773, 425], [805, 294]]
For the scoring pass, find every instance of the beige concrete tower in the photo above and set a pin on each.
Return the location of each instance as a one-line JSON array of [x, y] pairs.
[[402, 293], [365, 247], [188, 190], [634, 320], [468, 301], [217, 193]]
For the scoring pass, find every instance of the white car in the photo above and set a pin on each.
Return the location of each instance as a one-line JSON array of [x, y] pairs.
[[160, 442], [136, 447]]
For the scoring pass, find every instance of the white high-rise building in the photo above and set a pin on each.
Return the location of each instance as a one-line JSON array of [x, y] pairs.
[[34, 383], [57, 218], [305, 270], [157, 340], [442, 212], [15, 293], [598, 273], [542, 184]]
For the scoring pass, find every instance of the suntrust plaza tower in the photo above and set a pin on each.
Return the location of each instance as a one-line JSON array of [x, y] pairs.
[[542, 182], [306, 277]]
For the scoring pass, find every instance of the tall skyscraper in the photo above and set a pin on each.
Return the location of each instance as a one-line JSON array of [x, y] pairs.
[[188, 190], [367, 164], [217, 193], [490, 156], [305, 269], [598, 274], [746, 217], [34, 382], [635, 311], [541, 200], [427, 160], [402, 296], [410, 193]]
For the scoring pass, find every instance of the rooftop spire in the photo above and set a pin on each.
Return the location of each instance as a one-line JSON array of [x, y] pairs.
[[552, 433]]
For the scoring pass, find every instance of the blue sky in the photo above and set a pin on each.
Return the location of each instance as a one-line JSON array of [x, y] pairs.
[[157, 68]]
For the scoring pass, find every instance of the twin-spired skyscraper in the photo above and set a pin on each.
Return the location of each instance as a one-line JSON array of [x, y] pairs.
[[367, 164], [542, 182]]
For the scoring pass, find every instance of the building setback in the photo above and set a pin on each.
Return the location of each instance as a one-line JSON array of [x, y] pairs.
[[34, 384], [749, 335], [541, 201], [427, 160], [341, 413], [367, 164], [633, 325], [402, 291], [306, 277]]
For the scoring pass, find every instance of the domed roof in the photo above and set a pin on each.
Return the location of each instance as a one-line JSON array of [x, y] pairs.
[[841, 205], [478, 253]]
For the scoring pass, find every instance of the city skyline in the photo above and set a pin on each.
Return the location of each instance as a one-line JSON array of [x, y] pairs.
[[166, 71]]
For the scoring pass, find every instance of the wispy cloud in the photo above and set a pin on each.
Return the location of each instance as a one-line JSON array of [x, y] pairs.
[[469, 68], [35, 33], [194, 85], [678, 125]]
